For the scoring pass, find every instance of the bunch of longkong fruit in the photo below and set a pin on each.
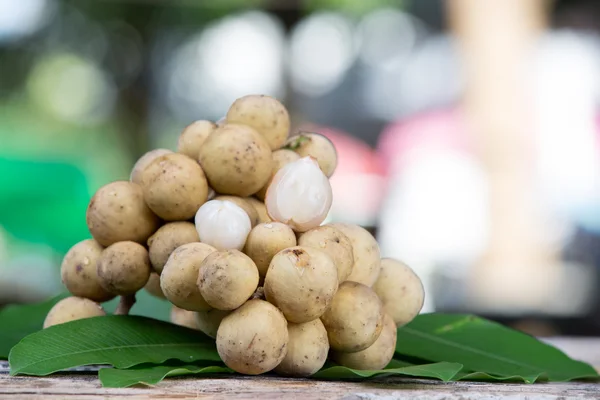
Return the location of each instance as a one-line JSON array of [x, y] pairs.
[[230, 230]]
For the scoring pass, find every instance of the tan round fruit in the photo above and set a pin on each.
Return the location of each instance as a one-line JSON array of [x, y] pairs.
[[182, 317], [174, 187], [244, 204], [400, 290], [301, 282], [178, 279], [333, 242], [253, 339], [266, 240], [71, 309], [317, 146], [308, 347], [263, 113], [261, 210], [193, 136], [210, 320], [124, 268], [281, 158], [354, 319], [143, 162], [117, 212], [236, 159], [153, 286], [365, 251], [227, 279], [167, 238], [376, 356], [79, 271]]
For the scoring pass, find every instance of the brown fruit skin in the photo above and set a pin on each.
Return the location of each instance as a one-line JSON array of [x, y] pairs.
[[354, 318], [265, 240], [227, 279], [153, 286], [71, 309], [365, 251], [117, 212], [265, 114], [174, 187], [244, 205], [281, 158], [400, 290], [124, 268], [333, 242], [317, 146], [253, 339], [182, 317], [193, 136], [236, 159], [261, 209], [178, 279], [301, 282], [210, 320], [167, 238], [376, 356], [308, 347], [145, 160], [79, 271]]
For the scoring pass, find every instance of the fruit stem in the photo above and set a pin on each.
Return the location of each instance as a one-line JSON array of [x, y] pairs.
[[125, 304]]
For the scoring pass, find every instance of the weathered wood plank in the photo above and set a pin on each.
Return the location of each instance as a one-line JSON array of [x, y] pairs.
[[88, 387]]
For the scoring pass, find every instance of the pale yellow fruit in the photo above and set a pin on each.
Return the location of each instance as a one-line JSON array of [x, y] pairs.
[[71, 309], [261, 210], [153, 286], [333, 242], [281, 158], [210, 320], [145, 160], [182, 317], [317, 146], [308, 347], [124, 268], [400, 290], [167, 238], [266, 240], [193, 136], [244, 204]]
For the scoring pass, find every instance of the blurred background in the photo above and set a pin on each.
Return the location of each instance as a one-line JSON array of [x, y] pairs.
[[467, 130]]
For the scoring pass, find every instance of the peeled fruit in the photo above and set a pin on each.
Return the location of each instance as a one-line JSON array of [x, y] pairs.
[[143, 162], [222, 224], [266, 240], [376, 356], [299, 195], [71, 309], [118, 212], [167, 238], [124, 268], [244, 204], [317, 146], [400, 290], [263, 113], [182, 317], [333, 242], [354, 319], [253, 339], [79, 271], [365, 251], [236, 160], [174, 187], [301, 282], [281, 158], [227, 279], [178, 279], [193, 136], [210, 320], [308, 347]]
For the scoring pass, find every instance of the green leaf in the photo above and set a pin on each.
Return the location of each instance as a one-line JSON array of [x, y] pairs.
[[18, 321], [487, 347], [151, 375], [443, 370], [482, 376], [117, 340]]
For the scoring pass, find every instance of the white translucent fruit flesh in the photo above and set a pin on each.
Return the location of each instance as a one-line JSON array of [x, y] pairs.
[[223, 225], [299, 195]]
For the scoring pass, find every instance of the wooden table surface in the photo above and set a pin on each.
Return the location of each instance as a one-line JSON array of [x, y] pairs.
[[83, 386]]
